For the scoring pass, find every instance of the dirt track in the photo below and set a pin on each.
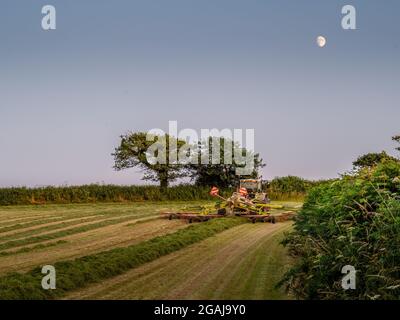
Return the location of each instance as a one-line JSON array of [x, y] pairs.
[[241, 263]]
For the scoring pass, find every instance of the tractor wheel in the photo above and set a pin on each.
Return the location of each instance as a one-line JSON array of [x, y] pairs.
[[221, 211]]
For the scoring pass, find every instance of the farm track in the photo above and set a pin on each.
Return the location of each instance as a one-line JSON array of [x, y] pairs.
[[244, 262]]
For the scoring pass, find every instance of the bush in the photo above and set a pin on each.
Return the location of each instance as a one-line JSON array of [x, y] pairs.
[[290, 188], [353, 221]]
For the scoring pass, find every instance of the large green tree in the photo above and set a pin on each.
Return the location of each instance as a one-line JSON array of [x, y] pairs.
[[135, 149], [222, 174]]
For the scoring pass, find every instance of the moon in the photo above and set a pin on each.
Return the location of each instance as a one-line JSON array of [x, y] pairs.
[[321, 41]]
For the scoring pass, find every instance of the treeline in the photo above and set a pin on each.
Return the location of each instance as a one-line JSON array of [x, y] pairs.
[[283, 188], [291, 187]]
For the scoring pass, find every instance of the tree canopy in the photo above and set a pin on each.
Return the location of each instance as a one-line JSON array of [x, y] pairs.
[[397, 139], [133, 151], [223, 174], [371, 159], [216, 161]]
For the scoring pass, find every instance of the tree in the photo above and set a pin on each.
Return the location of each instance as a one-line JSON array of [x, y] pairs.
[[396, 139], [371, 160], [136, 149], [223, 174]]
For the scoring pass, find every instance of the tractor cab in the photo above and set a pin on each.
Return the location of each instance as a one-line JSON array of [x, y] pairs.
[[254, 190]]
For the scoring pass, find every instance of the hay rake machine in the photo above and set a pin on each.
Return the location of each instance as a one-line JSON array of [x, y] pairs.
[[248, 201]]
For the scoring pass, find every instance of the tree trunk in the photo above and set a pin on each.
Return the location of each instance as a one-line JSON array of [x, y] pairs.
[[164, 183]]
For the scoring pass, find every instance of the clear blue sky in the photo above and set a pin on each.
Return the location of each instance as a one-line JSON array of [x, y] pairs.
[[113, 66]]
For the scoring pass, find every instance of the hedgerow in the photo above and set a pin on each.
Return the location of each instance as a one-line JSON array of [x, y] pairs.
[[291, 187], [353, 221], [100, 193], [283, 188]]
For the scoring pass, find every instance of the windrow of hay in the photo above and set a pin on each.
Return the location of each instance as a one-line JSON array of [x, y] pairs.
[[94, 268]]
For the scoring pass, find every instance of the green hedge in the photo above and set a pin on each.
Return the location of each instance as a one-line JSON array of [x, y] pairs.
[[353, 221], [100, 193], [291, 187], [82, 271], [281, 188]]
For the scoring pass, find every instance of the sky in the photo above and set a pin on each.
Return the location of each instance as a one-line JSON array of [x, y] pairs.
[[110, 67]]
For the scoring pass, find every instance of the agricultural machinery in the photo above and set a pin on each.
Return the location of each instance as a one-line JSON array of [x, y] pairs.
[[249, 200]]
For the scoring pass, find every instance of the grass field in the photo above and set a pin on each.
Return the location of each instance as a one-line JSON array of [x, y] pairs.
[[244, 262]]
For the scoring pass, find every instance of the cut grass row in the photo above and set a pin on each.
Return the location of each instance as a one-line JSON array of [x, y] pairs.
[[66, 224], [244, 262], [80, 272], [51, 227], [53, 244], [30, 249], [88, 243], [63, 233], [18, 217], [40, 221]]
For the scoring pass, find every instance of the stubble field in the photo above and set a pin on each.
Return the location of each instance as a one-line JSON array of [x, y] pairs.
[[243, 262]]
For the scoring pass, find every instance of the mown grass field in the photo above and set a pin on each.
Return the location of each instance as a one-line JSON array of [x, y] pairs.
[[243, 262]]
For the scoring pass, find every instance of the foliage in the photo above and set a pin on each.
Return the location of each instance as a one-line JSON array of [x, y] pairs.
[[291, 187], [371, 159], [397, 139], [353, 221], [101, 193], [94, 268], [222, 174], [206, 163], [133, 151], [285, 188]]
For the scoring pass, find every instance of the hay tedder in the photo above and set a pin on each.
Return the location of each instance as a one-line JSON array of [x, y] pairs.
[[248, 201]]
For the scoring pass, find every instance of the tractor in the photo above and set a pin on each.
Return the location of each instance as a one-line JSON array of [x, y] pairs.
[[255, 190], [248, 199]]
